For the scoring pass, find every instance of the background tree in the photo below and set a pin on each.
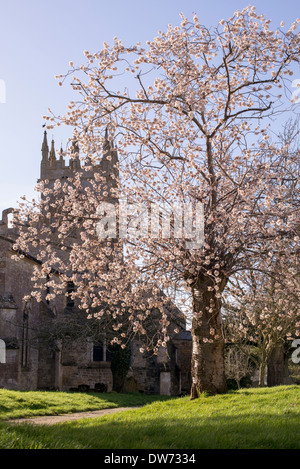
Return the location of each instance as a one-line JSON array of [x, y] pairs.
[[189, 127], [262, 312], [237, 365]]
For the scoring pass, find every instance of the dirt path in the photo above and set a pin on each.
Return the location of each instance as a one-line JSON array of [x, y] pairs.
[[52, 419]]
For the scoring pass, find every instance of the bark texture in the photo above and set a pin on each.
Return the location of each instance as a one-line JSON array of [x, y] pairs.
[[208, 367], [276, 367]]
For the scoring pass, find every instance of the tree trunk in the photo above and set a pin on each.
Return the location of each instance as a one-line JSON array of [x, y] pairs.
[[208, 367], [262, 371], [275, 375]]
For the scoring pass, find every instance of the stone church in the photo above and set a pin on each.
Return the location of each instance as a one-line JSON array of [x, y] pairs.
[[26, 360]]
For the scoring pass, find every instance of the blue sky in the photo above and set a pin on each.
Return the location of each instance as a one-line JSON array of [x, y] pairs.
[[39, 38]]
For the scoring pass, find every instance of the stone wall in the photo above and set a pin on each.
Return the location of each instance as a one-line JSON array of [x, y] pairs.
[[9, 370], [154, 374], [75, 377]]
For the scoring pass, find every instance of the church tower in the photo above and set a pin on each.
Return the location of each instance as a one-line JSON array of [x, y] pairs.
[[54, 167]]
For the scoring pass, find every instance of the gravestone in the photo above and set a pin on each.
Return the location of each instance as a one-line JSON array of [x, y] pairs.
[[2, 351], [165, 383]]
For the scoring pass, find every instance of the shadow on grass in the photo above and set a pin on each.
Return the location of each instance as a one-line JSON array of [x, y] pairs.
[[136, 430]]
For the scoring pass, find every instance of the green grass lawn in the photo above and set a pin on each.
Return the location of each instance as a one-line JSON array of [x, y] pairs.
[[18, 404], [250, 418]]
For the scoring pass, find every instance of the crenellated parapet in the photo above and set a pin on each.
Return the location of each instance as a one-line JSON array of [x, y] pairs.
[[54, 166]]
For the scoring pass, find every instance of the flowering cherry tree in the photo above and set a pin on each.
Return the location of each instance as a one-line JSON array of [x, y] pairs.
[[262, 311], [261, 303], [190, 116]]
